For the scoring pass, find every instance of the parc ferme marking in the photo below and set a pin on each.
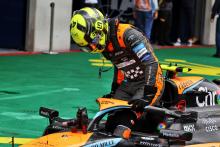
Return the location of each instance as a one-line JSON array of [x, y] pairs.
[[200, 69], [9, 140]]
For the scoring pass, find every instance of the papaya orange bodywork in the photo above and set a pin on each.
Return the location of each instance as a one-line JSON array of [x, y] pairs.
[[67, 139], [184, 82], [107, 103], [217, 144]]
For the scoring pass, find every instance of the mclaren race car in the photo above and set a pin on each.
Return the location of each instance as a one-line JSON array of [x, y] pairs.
[[115, 125], [188, 91]]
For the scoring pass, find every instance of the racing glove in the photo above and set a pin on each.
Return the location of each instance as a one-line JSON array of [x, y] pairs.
[[138, 104]]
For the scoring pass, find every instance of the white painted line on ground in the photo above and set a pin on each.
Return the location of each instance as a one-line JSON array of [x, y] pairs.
[[14, 131], [38, 93], [21, 116]]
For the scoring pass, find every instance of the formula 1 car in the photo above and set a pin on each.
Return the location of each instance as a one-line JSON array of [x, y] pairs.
[[196, 127], [188, 91]]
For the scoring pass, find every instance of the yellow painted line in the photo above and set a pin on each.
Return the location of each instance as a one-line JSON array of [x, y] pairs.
[[8, 140], [186, 63], [38, 94], [174, 60], [100, 64], [99, 60]]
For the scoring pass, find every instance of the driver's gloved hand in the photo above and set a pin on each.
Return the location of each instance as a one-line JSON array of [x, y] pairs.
[[138, 104]]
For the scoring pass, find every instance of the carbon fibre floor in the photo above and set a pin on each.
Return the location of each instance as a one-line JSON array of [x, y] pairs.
[[69, 80]]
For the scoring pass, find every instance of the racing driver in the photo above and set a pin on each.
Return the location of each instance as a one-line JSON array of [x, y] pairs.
[[129, 51]]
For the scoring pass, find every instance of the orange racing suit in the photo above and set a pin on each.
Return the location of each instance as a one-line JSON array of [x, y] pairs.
[[131, 54]]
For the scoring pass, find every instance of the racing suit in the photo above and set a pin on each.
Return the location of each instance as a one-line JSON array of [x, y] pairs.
[[131, 53]]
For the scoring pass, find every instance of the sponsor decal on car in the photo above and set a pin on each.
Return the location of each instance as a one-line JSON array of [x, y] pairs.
[[211, 125], [189, 128], [170, 134], [211, 128], [161, 126], [218, 96], [106, 102], [209, 99], [208, 121], [185, 84], [146, 143], [147, 138], [104, 143]]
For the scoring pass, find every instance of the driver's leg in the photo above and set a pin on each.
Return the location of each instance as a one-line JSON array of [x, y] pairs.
[[148, 123], [123, 92], [121, 117]]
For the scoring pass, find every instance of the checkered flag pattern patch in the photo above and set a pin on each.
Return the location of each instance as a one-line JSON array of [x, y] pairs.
[[134, 73]]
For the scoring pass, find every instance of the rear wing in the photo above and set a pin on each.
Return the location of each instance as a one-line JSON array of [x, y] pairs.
[[175, 68], [48, 113], [172, 70]]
